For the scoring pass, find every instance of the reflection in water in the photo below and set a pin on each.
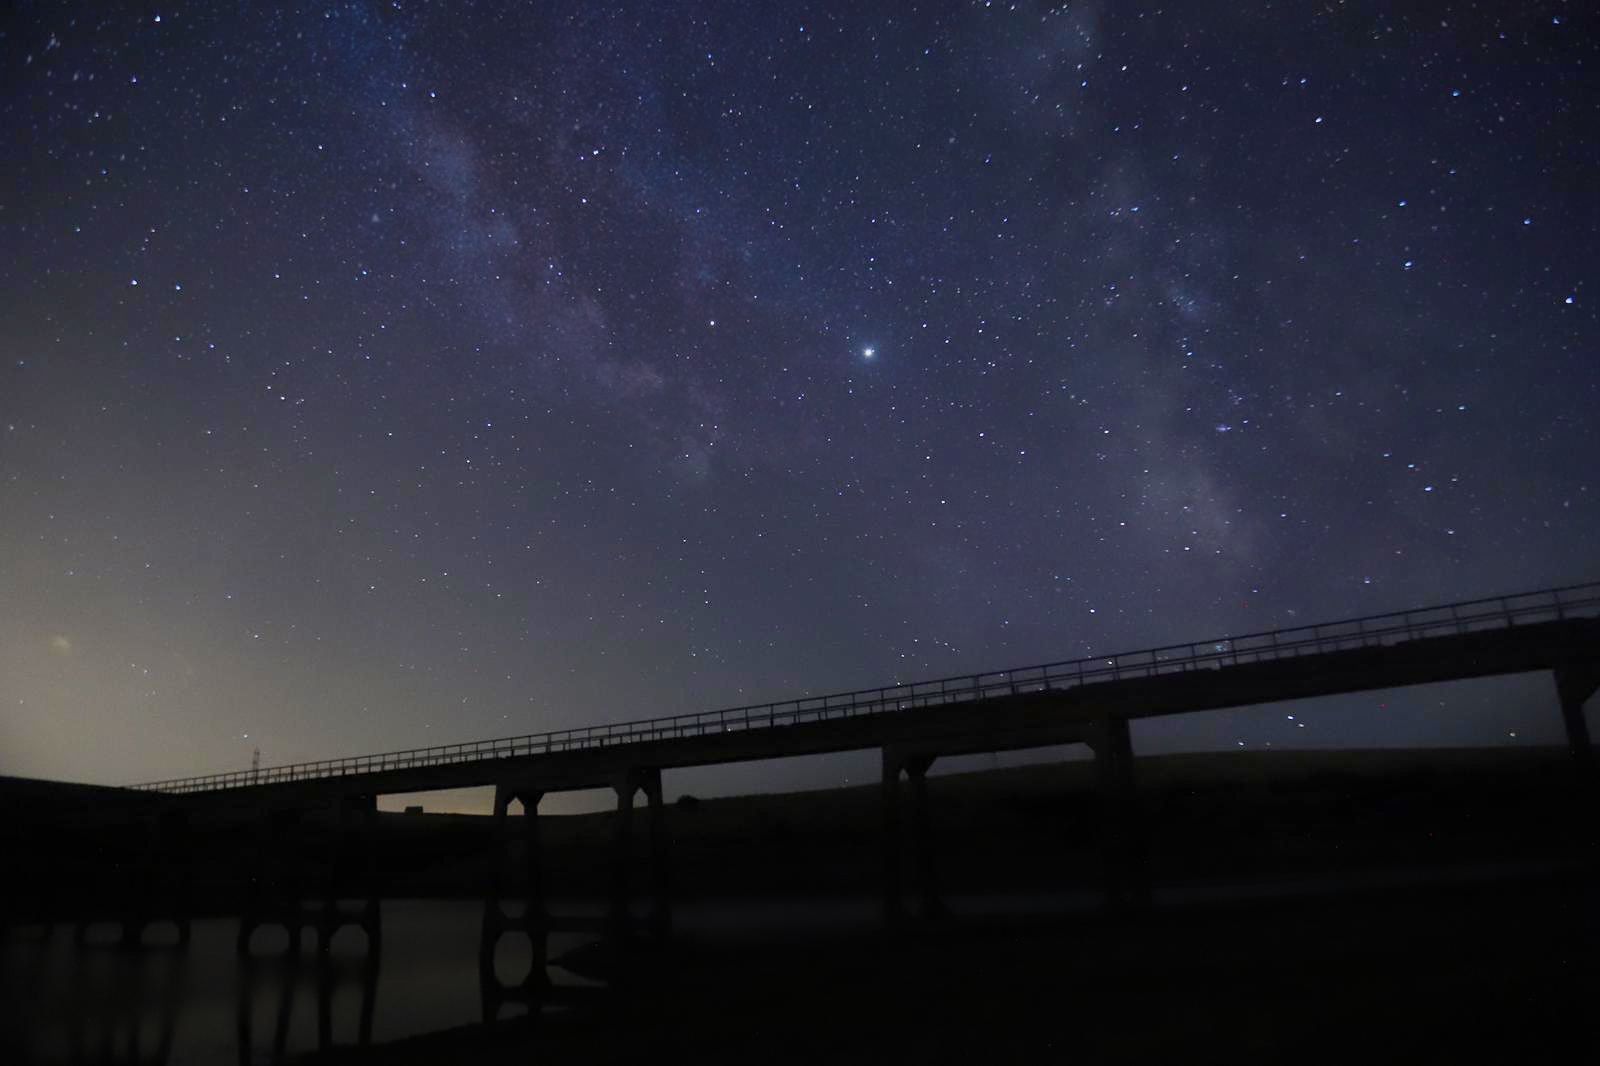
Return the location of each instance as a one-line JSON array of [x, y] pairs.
[[125, 984], [107, 997], [269, 982], [498, 951], [514, 908], [334, 974], [23, 978], [273, 981]]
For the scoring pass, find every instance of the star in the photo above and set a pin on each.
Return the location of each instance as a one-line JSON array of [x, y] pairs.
[[868, 352]]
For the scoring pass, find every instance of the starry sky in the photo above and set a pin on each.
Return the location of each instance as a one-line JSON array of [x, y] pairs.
[[379, 375]]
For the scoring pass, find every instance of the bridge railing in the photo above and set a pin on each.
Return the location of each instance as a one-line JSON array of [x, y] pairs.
[[1375, 631]]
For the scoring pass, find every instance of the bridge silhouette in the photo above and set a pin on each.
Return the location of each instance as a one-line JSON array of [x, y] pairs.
[[1089, 701], [1548, 629]]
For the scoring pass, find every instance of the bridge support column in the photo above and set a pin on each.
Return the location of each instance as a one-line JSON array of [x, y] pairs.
[[157, 889], [622, 854], [275, 896], [660, 902], [305, 869], [124, 993], [627, 785], [517, 875], [1123, 846], [893, 903], [922, 836], [915, 767], [351, 871], [1574, 685]]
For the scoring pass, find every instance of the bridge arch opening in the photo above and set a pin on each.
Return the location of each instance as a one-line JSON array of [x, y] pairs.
[[459, 801], [816, 828], [1519, 710], [1431, 780]]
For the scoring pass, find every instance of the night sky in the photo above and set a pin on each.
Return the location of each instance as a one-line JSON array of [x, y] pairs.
[[374, 376]]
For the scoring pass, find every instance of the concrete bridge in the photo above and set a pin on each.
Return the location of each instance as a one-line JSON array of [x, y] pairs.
[[1089, 701]]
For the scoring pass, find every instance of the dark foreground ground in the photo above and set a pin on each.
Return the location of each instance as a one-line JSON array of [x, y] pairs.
[[1484, 972], [1375, 907], [1329, 906]]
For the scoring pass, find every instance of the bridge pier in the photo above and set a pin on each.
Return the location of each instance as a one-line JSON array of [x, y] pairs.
[[622, 852], [345, 865], [157, 890], [351, 862], [1574, 686], [915, 767], [524, 882], [660, 886], [893, 903], [275, 893], [1122, 830], [516, 875], [124, 993], [626, 785]]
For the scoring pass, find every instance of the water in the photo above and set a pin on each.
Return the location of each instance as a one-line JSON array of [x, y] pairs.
[[201, 1003], [66, 1001], [97, 1001]]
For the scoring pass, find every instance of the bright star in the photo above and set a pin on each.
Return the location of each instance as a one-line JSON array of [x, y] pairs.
[[868, 353]]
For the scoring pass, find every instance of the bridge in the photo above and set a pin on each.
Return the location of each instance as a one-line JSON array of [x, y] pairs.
[[1055, 703], [1089, 701]]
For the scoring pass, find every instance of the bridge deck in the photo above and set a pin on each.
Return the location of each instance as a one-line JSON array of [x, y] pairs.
[[1055, 703]]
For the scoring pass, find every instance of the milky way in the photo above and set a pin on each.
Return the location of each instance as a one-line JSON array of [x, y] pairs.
[[378, 376]]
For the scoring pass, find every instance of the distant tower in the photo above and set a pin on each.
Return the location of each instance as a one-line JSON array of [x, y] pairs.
[[255, 767]]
